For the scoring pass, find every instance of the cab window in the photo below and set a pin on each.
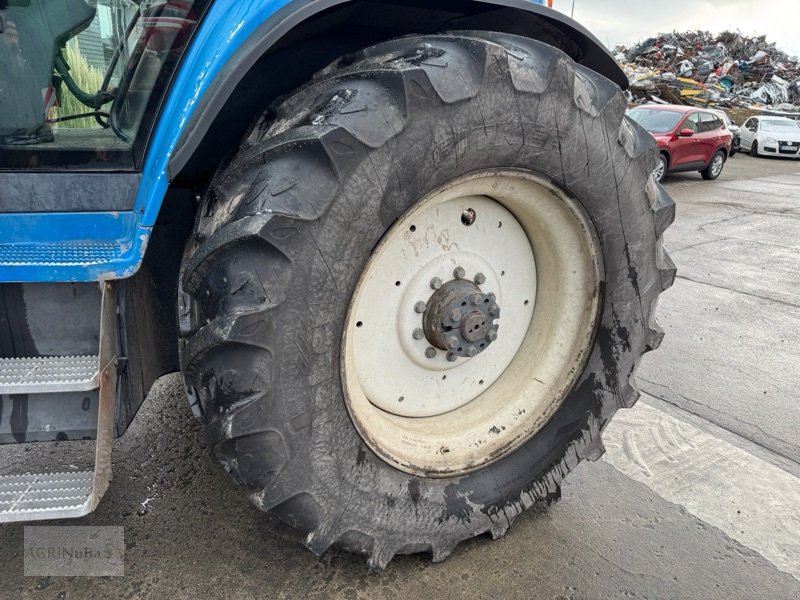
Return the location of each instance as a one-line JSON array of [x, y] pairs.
[[80, 79]]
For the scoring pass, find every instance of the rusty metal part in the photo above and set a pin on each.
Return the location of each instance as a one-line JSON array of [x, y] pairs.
[[460, 319], [468, 216], [108, 389]]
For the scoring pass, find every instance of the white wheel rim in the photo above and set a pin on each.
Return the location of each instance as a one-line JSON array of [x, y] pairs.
[[538, 254]]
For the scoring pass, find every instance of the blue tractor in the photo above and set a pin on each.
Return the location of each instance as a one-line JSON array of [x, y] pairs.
[[406, 255]]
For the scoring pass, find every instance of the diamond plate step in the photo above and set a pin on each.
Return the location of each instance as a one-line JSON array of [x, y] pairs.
[[48, 374], [58, 254], [51, 496], [33, 497]]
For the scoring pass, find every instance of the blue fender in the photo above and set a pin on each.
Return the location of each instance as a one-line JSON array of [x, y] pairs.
[[231, 37]]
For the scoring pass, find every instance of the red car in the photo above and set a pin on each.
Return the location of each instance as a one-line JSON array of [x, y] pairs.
[[689, 139]]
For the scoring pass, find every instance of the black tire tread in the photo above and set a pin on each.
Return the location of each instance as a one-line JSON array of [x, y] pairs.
[[329, 136]]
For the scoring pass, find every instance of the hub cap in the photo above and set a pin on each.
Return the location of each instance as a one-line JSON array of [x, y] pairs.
[[716, 166], [438, 379]]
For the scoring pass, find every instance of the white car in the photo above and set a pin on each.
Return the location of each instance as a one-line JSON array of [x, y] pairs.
[[771, 136]]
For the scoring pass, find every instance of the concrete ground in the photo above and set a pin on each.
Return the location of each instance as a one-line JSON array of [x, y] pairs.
[[698, 495]]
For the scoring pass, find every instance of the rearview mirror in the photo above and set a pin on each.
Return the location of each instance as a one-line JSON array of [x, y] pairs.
[[685, 132]]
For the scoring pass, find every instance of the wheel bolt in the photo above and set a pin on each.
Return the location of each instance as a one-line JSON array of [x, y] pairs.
[[418, 334], [430, 352], [477, 299], [492, 296], [451, 357], [472, 351], [459, 272], [436, 283], [491, 336], [452, 342], [455, 315], [420, 307], [494, 310], [480, 278]]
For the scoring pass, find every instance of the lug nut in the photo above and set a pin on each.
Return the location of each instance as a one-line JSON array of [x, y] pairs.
[[418, 334], [436, 283], [459, 273], [477, 299], [455, 315], [420, 307], [492, 297], [494, 310], [451, 357], [472, 351], [452, 342], [480, 278], [491, 336], [430, 352]]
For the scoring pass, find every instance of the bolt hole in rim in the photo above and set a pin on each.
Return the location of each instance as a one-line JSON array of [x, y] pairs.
[[549, 301]]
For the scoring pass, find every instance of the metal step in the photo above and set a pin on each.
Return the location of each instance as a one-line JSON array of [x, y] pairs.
[[48, 374], [51, 496], [62, 254], [32, 497]]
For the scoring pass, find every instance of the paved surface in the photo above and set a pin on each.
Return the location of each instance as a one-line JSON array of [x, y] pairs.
[[697, 497]]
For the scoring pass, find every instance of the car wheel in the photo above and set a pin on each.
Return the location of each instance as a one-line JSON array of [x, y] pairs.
[[353, 262], [714, 168], [661, 168], [754, 149]]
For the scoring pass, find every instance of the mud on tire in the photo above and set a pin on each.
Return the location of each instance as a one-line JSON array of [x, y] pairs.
[[287, 227]]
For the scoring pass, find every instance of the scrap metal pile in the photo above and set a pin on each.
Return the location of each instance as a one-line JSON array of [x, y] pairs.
[[726, 70]]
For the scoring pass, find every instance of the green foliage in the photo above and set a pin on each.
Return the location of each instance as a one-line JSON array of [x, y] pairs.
[[88, 78]]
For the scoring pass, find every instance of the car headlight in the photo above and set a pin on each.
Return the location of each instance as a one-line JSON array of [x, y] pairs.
[[770, 140]]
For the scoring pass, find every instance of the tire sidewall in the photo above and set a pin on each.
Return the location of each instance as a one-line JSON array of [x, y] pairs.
[[340, 459]]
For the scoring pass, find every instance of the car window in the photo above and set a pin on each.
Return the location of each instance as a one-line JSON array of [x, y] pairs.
[[692, 122], [709, 122], [753, 124], [779, 125], [654, 120]]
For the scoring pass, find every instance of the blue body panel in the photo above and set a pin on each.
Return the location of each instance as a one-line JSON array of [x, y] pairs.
[[102, 246], [35, 237]]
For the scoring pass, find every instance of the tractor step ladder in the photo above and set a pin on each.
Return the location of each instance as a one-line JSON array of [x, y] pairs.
[[39, 496]]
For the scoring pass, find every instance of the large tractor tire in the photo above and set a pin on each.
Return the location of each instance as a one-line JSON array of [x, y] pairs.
[[421, 289]]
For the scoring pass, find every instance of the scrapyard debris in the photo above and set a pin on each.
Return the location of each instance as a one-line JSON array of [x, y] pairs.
[[729, 70]]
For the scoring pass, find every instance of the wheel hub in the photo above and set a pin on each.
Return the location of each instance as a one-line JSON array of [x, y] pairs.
[[459, 318]]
